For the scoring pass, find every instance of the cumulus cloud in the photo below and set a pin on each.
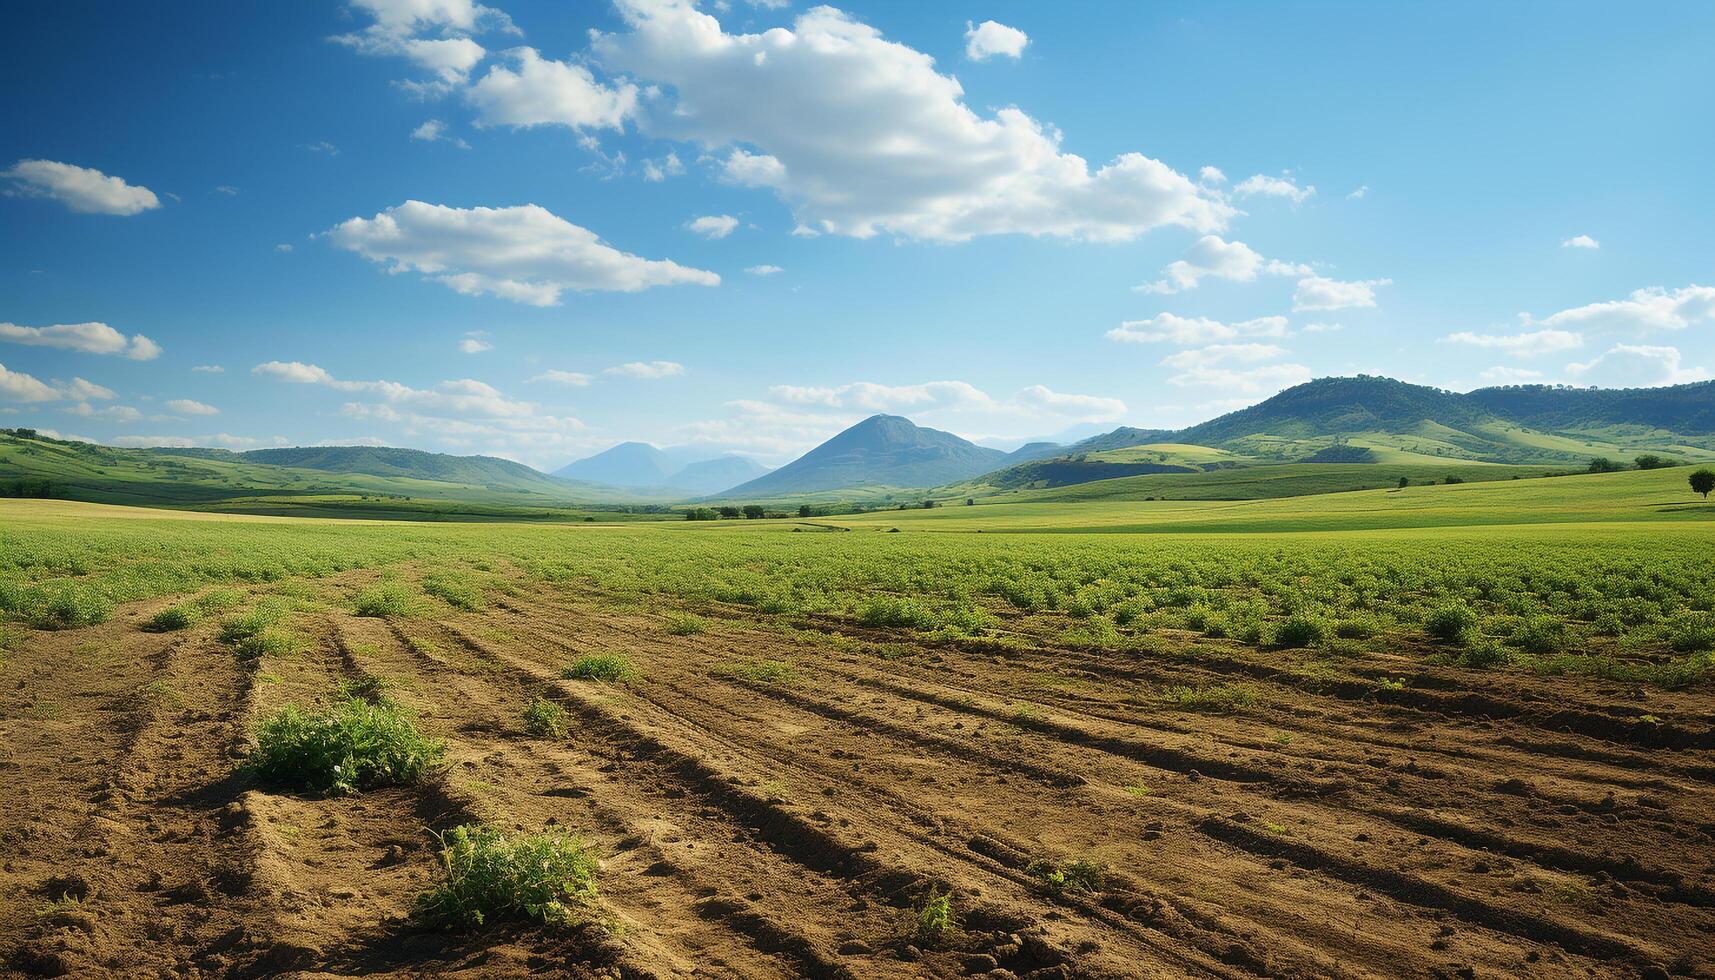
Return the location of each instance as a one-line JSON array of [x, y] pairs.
[[209, 369], [1645, 310], [764, 270], [1637, 366], [90, 338], [474, 345], [462, 397], [862, 136], [572, 379], [988, 39], [1285, 186], [1082, 408], [16, 386], [537, 91], [1234, 367], [431, 34], [1318, 293], [1532, 343], [1170, 328], [646, 370], [83, 390], [80, 189], [435, 131], [1359, 194], [1211, 257], [1581, 241], [525, 254], [656, 171], [872, 397], [713, 225], [1509, 375], [185, 406], [122, 414]]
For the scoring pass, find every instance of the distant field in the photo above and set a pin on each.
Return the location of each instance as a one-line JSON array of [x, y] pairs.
[[804, 750]]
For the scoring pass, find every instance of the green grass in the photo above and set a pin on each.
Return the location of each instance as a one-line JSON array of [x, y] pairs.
[[458, 590], [489, 876], [545, 719], [342, 748], [1061, 877], [386, 599], [759, 671], [614, 668], [237, 629], [686, 625], [272, 641], [1211, 698]]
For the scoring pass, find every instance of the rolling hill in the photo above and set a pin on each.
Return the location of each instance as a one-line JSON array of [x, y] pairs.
[[882, 450], [663, 472]]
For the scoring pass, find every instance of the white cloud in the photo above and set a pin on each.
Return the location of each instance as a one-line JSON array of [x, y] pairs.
[[861, 136], [433, 130], [404, 18], [540, 92], [1323, 327], [872, 397], [525, 254], [1203, 357], [1285, 186], [713, 225], [656, 171], [282, 247], [1359, 194], [16, 386], [82, 390], [184, 406], [574, 379], [227, 189], [1082, 408], [448, 56], [1170, 328], [764, 270], [1211, 176], [1210, 256], [1530, 344], [220, 440], [984, 41], [474, 345], [1509, 375], [1581, 241], [209, 369], [1318, 293], [90, 338], [81, 189], [322, 146], [122, 414], [296, 372], [646, 370], [1637, 365], [1649, 309]]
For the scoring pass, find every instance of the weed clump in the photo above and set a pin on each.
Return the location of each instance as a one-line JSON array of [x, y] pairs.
[[548, 877], [760, 671], [385, 599], [343, 748], [895, 611], [237, 629], [1300, 630], [610, 667], [1452, 623], [545, 719], [1214, 697], [66, 605], [1068, 876], [686, 625], [456, 590], [272, 641]]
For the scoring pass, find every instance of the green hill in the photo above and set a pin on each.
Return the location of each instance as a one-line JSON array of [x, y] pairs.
[[882, 450]]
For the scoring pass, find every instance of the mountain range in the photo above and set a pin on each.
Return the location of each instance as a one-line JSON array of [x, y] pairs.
[[638, 465]]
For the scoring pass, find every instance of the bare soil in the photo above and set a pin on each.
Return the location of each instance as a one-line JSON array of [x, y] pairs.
[[1373, 818]]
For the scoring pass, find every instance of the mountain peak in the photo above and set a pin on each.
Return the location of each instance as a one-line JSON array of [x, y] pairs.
[[882, 450]]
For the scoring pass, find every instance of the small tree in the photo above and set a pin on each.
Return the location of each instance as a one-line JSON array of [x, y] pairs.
[[1650, 461], [729, 512], [753, 511], [1602, 464], [803, 510], [970, 501], [1703, 481], [1404, 481]]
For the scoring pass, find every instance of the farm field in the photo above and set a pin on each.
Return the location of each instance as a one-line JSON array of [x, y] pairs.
[[1237, 738]]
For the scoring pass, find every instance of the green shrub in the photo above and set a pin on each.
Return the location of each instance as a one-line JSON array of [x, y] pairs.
[[686, 625], [895, 611], [1693, 633], [65, 605], [237, 629], [934, 920], [1214, 697], [1540, 634], [350, 746], [545, 718], [456, 590], [1300, 630], [385, 599], [271, 642], [615, 667], [1074, 876], [486, 876], [1485, 655], [1356, 628], [760, 671], [1451, 623], [170, 619]]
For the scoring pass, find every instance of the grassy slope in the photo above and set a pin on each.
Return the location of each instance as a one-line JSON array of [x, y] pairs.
[[100, 474], [1653, 495], [1262, 481]]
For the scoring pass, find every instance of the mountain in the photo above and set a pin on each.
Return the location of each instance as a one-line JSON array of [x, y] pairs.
[[629, 464], [415, 464], [882, 450], [1123, 437], [1688, 408], [714, 475], [1331, 406], [1034, 450]]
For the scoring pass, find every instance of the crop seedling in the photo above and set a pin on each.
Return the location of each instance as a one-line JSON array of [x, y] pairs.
[[343, 748], [487, 876], [934, 919], [1452, 623], [610, 667], [1069, 876], [545, 719]]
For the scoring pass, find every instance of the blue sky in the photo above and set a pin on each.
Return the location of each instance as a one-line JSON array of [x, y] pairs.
[[474, 228]]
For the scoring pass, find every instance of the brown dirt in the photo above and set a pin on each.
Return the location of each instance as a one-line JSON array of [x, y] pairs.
[[1372, 818]]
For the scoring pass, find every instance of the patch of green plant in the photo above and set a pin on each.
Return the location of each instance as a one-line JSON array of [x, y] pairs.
[[456, 590], [158, 695], [1451, 623], [759, 671], [935, 920], [686, 625], [610, 667], [488, 876], [545, 719], [1068, 876], [1211, 697], [237, 629], [1097, 632], [341, 748], [272, 641], [1301, 629], [63, 605], [170, 619], [385, 599], [895, 611]]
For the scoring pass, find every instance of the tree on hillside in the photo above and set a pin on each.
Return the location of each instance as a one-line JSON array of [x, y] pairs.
[[1404, 481], [1703, 481], [753, 511], [1650, 461], [803, 510], [1602, 464]]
